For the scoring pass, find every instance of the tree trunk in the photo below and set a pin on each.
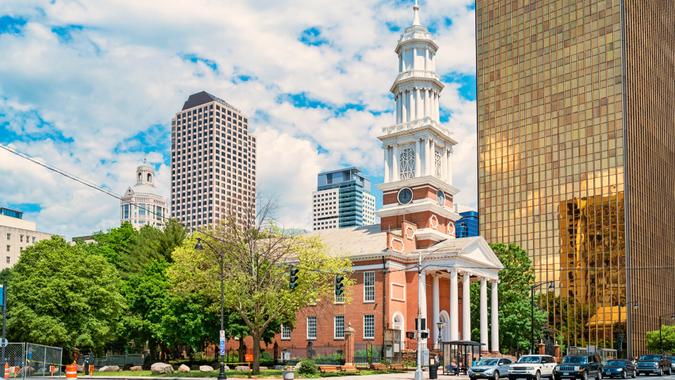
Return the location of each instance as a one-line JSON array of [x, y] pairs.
[[256, 353]]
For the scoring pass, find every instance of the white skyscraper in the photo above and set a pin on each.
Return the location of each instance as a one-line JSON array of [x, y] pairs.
[[142, 204], [213, 167]]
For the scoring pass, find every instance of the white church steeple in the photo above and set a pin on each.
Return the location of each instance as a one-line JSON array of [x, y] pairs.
[[418, 148]]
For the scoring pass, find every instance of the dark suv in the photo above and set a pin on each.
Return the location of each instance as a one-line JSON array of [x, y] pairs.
[[658, 364], [584, 367]]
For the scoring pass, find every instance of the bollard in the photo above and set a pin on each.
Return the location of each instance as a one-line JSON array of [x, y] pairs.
[[91, 370], [71, 371]]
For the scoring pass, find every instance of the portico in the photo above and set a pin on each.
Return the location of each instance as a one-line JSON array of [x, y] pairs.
[[443, 267]]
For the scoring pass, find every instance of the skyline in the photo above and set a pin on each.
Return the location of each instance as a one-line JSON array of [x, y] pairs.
[[113, 74]]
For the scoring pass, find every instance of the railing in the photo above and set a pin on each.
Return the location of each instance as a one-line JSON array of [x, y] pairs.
[[417, 74], [415, 124]]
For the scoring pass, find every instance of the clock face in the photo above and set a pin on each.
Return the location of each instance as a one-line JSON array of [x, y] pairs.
[[405, 196], [440, 195]]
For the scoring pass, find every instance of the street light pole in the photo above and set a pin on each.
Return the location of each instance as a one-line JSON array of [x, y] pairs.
[[221, 254], [418, 369], [551, 285], [672, 316]]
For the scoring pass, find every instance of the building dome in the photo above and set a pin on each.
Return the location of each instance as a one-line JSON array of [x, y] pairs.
[[142, 204]]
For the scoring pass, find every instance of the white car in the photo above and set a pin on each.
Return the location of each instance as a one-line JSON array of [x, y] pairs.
[[532, 367]]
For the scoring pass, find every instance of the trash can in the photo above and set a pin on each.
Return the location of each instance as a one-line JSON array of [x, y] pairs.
[[433, 371]]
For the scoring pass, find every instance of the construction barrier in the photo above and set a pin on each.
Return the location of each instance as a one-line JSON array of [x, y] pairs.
[[71, 371]]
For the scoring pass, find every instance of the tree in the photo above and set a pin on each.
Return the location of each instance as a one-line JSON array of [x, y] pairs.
[[515, 282], [668, 336], [258, 258], [60, 295]]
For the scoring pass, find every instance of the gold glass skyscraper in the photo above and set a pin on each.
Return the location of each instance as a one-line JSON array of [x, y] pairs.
[[576, 130]]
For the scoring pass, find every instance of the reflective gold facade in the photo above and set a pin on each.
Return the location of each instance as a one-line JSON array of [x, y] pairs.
[[553, 148]]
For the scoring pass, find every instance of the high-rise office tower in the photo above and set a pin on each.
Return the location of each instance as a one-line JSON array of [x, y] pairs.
[[342, 199], [468, 225], [576, 126], [213, 167]]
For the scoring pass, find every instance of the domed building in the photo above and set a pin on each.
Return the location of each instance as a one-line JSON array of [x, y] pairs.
[[142, 204]]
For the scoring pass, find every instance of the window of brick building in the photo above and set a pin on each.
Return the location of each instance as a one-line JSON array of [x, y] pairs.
[[339, 327], [368, 286], [311, 327], [285, 332], [369, 326]]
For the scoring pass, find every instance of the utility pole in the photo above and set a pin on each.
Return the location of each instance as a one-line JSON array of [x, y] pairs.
[[418, 370]]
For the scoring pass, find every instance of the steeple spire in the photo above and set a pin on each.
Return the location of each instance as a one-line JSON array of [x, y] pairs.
[[416, 14]]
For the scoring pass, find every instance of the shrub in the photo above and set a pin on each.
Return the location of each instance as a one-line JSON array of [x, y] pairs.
[[308, 367]]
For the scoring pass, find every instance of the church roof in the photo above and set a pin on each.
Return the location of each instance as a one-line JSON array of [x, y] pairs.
[[344, 242]]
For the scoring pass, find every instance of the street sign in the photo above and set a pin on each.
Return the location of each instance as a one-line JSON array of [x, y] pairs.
[[2, 295], [222, 347], [4, 342], [248, 358], [222, 334]]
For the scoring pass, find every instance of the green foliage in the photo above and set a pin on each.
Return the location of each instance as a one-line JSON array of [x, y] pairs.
[[668, 336], [515, 281], [60, 295], [257, 277], [308, 367]]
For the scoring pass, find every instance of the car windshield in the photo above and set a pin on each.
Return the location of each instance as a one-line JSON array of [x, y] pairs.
[[616, 363], [529, 359], [487, 362], [575, 360], [650, 358]]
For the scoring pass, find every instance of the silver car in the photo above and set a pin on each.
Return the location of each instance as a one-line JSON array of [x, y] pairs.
[[490, 368]]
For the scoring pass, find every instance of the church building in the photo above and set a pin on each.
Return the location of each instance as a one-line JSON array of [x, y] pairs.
[[411, 263]]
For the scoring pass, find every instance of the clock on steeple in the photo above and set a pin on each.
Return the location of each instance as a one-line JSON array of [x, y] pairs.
[[417, 189]]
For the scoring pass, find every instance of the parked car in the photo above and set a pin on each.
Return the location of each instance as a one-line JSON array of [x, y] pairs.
[[619, 368], [532, 367], [672, 363], [658, 364], [582, 367], [490, 368]]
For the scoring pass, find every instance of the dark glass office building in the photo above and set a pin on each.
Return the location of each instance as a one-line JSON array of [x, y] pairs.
[[467, 225], [576, 130], [342, 199]]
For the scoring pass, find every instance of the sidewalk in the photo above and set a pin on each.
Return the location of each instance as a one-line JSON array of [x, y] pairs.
[[389, 376]]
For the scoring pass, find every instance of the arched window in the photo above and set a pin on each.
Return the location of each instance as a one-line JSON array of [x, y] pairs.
[[444, 318], [140, 177], [149, 177], [407, 163]]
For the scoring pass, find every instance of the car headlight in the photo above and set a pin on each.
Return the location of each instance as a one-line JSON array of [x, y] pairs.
[[470, 372], [620, 369], [656, 365], [529, 368]]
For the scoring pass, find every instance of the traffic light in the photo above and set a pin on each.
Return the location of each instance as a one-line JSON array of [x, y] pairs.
[[339, 286], [293, 281]]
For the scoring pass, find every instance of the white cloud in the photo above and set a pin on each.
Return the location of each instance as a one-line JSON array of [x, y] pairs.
[[122, 72]]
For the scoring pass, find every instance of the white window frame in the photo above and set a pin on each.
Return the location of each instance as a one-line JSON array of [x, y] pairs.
[[285, 329], [365, 287], [365, 337], [312, 317], [335, 327]]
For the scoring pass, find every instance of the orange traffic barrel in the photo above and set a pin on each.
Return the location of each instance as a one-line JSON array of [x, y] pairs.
[[6, 371], [71, 371]]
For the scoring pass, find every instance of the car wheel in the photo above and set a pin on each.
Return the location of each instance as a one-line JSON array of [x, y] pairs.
[[584, 376], [537, 376], [496, 376], [624, 375], [660, 371]]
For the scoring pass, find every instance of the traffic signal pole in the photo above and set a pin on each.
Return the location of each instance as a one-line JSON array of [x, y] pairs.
[[418, 327]]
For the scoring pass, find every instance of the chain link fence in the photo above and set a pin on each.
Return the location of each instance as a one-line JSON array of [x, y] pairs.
[[32, 360], [123, 361]]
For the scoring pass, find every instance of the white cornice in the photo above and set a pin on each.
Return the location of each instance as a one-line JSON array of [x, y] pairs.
[[417, 182], [416, 126], [431, 234], [415, 207]]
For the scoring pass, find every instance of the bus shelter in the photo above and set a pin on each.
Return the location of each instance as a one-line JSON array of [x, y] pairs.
[[458, 355]]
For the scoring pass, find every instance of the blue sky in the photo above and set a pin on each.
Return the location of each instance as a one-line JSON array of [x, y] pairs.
[[91, 87]]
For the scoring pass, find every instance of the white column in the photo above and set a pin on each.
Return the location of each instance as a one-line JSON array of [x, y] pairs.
[[436, 108], [420, 103], [444, 165], [404, 106], [427, 102], [483, 315], [448, 153], [466, 307], [398, 109], [411, 110], [386, 163], [432, 158], [436, 309], [418, 159], [394, 163], [495, 317], [454, 312], [422, 300]]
